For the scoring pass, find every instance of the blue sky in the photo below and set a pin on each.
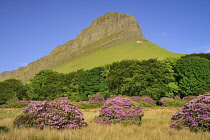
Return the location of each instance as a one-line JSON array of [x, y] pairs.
[[31, 29]]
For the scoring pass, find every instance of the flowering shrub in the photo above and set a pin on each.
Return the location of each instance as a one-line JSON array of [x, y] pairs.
[[59, 113], [165, 101], [148, 100], [188, 98], [112, 96], [136, 98], [120, 109], [194, 115], [144, 101], [96, 97]]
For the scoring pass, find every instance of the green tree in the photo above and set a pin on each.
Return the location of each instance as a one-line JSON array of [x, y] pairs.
[[193, 75], [91, 82], [11, 89], [140, 78], [203, 55], [46, 85]]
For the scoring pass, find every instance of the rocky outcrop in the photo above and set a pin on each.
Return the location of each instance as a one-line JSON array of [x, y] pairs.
[[106, 31]]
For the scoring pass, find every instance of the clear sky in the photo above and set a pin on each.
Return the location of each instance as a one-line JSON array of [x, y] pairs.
[[31, 29]]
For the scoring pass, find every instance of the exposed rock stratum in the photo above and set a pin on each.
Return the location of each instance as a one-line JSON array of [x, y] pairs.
[[106, 31]]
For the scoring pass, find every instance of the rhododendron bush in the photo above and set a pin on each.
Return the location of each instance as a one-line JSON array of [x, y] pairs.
[[59, 113], [120, 109], [194, 115], [96, 97], [143, 101], [188, 98]]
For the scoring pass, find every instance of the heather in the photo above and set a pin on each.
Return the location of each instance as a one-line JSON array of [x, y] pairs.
[[59, 113], [188, 98], [175, 102], [120, 109], [154, 126], [194, 115], [96, 97], [143, 101]]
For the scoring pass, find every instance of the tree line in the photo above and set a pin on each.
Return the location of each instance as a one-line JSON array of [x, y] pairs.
[[188, 75]]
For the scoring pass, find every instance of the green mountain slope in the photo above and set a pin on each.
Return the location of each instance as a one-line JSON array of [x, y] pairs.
[[111, 37], [127, 50]]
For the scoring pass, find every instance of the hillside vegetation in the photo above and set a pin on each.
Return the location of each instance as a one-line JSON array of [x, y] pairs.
[[155, 126], [128, 50]]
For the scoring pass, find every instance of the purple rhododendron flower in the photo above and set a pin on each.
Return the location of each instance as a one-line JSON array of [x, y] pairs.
[[59, 114], [120, 109], [194, 115]]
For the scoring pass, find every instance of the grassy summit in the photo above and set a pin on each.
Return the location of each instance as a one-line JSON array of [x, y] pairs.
[[128, 50]]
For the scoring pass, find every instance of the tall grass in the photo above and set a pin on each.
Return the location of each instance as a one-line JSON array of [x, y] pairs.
[[155, 126]]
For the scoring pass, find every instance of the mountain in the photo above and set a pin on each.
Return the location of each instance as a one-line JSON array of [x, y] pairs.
[[112, 37]]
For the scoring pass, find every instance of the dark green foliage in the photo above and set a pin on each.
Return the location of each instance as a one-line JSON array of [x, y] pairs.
[[46, 85], [14, 105], [192, 75], [152, 78], [140, 78], [203, 55], [11, 89], [165, 101], [91, 82], [71, 86], [4, 129]]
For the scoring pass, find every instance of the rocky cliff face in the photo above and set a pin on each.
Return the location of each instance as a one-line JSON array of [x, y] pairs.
[[106, 31]]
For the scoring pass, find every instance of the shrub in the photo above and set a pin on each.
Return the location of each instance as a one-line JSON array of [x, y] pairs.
[[120, 109], [96, 97], [188, 98], [165, 101], [194, 115], [144, 101], [112, 96], [59, 114], [20, 104], [148, 100]]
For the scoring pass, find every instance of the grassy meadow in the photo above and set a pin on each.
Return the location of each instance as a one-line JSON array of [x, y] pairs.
[[128, 50], [155, 126]]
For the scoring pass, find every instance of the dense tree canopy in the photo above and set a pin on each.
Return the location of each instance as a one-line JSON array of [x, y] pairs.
[[193, 75], [10, 89], [140, 78], [91, 82], [189, 75]]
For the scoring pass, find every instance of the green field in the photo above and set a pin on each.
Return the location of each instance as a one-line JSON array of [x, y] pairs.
[[128, 50], [155, 126]]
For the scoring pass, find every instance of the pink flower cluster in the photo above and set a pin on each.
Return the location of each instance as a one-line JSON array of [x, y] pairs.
[[188, 98], [59, 114], [164, 100], [148, 100], [96, 97], [194, 115], [120, 109]]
